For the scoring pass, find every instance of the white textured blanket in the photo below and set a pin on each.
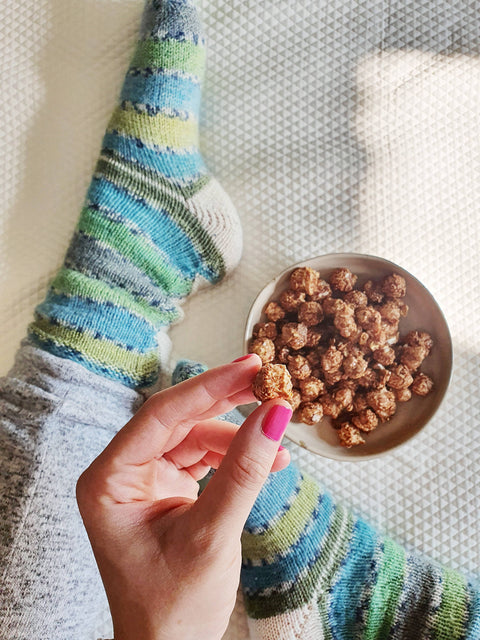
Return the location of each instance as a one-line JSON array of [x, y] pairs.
[[334, 126]]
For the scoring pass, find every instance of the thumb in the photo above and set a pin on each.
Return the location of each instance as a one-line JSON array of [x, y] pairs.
[[231, 493]]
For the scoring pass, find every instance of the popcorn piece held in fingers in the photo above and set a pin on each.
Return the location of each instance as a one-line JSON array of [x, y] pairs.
[[272, 381]]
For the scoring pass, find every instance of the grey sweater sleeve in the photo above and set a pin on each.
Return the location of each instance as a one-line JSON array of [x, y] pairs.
[[55, 418]]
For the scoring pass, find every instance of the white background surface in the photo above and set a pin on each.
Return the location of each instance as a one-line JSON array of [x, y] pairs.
[[334, 127]]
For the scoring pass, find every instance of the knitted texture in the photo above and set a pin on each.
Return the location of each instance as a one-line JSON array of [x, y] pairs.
[[154, 222], [313, 570], [185, 369]]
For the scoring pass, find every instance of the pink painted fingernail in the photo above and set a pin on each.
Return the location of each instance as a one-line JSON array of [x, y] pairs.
[[249, 355], [280, 448], [275, 422]]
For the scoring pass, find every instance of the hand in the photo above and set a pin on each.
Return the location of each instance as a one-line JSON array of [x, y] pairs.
[[170, 561]]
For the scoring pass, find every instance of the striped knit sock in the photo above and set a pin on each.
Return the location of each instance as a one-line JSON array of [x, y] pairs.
[[155, 223], [312, 570]]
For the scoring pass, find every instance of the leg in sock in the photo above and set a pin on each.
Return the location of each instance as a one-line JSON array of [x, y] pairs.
[[312, 570], [154, 227]]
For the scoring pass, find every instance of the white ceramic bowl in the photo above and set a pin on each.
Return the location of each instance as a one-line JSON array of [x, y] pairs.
[[424, 314]]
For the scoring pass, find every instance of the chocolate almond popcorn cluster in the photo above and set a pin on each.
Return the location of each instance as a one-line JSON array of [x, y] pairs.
[[335, 350]]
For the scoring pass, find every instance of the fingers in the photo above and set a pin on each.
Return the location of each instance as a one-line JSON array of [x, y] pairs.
[[208, 442], [231, 493], [164, 420], [207, 436]]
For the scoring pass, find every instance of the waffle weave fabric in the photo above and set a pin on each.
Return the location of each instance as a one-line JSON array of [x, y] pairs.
[[333, 127]]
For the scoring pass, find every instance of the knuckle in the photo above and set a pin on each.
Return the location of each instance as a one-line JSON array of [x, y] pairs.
[[87, 491], [248, 472], [82, 490]]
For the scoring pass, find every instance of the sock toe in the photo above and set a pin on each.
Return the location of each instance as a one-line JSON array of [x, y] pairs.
[[186, 369]]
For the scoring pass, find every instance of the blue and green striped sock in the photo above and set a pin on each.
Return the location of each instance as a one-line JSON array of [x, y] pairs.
[[314, 571], [155, 224]]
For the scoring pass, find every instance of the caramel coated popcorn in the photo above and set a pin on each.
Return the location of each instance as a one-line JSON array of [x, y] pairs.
[[349, 435], [342, 280], [332, 347], [298, 367], [294, 335], [291, 299], [310, 388], [264, 348], [310, 313], [394, 286], [422, 384], [265, 330], [310, 412], [304, 279], [274, 312], [365, 420], [273, 381]]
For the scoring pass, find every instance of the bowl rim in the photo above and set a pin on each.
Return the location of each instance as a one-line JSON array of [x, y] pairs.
[[449, 344]]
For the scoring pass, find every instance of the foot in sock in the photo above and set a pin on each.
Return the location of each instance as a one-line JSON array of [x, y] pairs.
[[155, 224], [313, 570]]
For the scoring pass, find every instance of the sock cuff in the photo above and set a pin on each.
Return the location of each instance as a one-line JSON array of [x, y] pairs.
[[65, 382]]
